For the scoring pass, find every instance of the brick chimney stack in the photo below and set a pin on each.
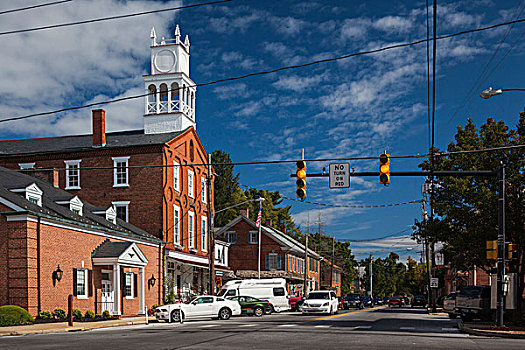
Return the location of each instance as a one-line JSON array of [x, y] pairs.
[[99, 128], [245, 212]]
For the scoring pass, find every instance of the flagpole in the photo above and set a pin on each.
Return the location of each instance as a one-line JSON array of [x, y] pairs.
[[259, 242]]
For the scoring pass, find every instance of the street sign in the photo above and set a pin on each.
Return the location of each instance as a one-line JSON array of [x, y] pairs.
[[340, 175], [434, 283], [440, 260]]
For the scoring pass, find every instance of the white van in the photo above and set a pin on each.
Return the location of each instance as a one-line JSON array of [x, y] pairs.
[[271, 289]]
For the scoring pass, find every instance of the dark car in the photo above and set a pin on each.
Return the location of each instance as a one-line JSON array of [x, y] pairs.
[[419, 300], [252, 306], [353, 300], [378, 301], [474, 302], [395, 301], [367, 302]]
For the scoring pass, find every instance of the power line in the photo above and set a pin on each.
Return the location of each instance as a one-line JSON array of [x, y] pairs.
[[376, 239], [505, 148], [361, 53], [34, 6], [111, 18]]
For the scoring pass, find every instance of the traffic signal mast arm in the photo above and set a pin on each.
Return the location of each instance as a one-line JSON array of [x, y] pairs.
[[457, 173]]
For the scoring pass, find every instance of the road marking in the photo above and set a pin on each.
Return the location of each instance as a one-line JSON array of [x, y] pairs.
[[449, 329], [209, 325], [247, 325], [322, 326], [407, 328], [363, 327], [287, 325], [339, 315]]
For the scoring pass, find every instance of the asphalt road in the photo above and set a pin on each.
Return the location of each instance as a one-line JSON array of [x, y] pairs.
[[380, 328]]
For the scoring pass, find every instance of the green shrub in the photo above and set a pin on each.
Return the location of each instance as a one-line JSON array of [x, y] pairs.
[[77, 314], [45, 315], [11, 315], [89, 314], [106, 314], [98, 316], [59, 313]]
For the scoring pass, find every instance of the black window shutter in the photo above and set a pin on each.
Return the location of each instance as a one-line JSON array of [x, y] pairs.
[[135, 285], [267, 262], [75, 282], [90, 283], [123, 284], [278, 262]]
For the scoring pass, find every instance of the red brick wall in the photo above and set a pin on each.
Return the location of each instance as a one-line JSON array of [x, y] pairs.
[[67, 248], [3, 256], [243, 255]]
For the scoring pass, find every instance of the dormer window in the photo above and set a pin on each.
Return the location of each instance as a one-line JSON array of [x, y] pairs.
[[75, 205], [111, 215], [34, 194]]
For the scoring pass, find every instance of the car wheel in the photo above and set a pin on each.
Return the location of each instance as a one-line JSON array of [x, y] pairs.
[[258, 311], [451, 315], [225, 313], [269, 310], [466, 318], [175, 316]]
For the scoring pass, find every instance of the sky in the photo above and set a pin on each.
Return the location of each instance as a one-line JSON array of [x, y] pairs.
[[356, 107]]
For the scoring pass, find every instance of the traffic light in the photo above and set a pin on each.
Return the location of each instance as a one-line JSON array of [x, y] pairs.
[[384, 169], [512, 251], [492, 250], [301, 179]]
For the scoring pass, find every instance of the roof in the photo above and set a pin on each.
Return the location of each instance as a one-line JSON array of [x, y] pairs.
[[11, 180], [110, 249], [273, 233], [76, 143]]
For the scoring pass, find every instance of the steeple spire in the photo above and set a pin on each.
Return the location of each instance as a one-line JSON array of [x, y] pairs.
[[177, 34], [153, 37]]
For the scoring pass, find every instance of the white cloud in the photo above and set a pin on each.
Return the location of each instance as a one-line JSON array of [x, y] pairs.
[[297, 83], [393, 24], [70, 66]]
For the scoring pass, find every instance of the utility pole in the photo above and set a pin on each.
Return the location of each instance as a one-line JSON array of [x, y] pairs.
[[371, 281], [426, 249], [259, 243], [211, 235], [305, 287], [332, 265], [500, 301]]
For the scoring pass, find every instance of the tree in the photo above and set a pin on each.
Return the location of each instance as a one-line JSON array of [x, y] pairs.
[[466, 207]]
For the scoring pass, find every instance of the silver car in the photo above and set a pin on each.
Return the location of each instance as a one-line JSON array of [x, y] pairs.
[[449, 305]]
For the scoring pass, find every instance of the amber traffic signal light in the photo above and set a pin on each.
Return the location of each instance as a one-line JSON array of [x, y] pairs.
[[301, 179], [512, 251], [492, 250], [384, 169]]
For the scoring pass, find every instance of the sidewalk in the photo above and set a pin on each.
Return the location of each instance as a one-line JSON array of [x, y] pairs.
[[61, 327], [486, 329]]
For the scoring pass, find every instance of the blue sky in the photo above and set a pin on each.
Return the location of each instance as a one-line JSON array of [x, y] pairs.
[[354, 107]]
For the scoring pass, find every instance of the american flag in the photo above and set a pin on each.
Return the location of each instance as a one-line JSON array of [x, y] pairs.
[[258, 223]]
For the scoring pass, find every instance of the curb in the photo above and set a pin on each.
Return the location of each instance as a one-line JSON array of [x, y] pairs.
[[69, 329], [489, 333]]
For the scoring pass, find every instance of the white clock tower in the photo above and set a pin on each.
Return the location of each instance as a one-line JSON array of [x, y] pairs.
[[170, 100]]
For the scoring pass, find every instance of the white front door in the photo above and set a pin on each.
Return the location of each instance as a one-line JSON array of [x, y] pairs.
[[107, 296]]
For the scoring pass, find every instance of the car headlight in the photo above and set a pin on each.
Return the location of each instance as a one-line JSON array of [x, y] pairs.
[[325, 304]]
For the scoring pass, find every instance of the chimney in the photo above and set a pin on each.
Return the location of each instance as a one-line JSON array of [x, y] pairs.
[[48, 175], [244, 211], [99, 128]]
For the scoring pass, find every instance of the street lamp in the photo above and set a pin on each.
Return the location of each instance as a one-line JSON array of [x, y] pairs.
[[236, 205], [488, 93]]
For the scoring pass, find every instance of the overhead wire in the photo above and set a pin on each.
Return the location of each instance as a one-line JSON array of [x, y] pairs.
[[275, 70], [95, 20], [34, 6]]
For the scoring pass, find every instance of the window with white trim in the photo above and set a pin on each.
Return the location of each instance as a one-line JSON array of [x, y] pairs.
[[72, 174], [26, 166], [121, 208], [272, 261], [120, 172], [253, 237], [81, 285], [231, 237], [204, 230], [191, 230], [204, 190], [176, 225], [191, 187], [176, 176], [129, 285]]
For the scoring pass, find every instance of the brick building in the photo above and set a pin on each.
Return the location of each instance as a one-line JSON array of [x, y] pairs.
[[147, 175], [331, 276], [281, 255], [53, 244]]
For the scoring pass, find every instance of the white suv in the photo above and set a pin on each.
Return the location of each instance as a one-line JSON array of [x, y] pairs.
[[320, 301]]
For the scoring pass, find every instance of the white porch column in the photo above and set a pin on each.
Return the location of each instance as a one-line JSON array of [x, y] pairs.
[[142, 302], [116, 289]]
